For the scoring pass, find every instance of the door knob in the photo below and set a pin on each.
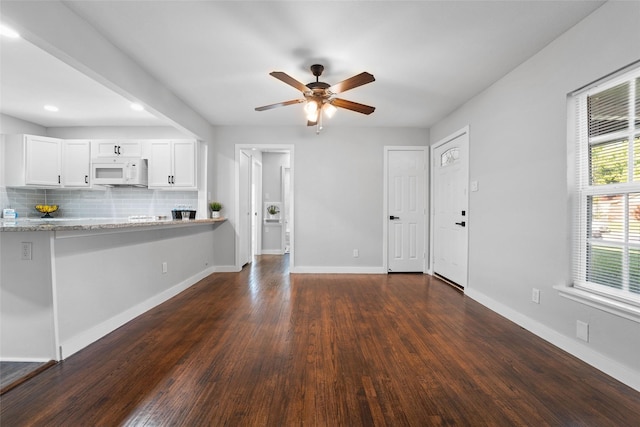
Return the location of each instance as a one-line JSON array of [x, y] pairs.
[[463, 224], [393, 217]]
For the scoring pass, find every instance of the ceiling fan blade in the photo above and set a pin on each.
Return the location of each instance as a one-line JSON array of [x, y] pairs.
[[280, 104], [353, 106], [310, 123], [286, 78], [352, 82]]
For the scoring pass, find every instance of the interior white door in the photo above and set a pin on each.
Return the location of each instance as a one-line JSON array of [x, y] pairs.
[[450, 203], [256, 207], [406, 174], [245, 208]]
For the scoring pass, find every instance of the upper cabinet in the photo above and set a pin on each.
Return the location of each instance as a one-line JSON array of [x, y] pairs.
[[76, 163], [33, 161], [172, 164], [110, 148], [43, 162]]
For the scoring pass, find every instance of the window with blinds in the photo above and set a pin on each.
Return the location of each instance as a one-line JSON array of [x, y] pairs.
[[607, 195]]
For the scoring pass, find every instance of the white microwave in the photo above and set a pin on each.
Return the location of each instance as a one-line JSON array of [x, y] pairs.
[[112, 171]]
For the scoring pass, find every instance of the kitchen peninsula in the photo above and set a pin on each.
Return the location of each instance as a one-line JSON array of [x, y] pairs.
[[65, 283]]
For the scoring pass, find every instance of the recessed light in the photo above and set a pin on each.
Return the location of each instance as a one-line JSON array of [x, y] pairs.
[[8, 32], [51, 108], [137, 107]]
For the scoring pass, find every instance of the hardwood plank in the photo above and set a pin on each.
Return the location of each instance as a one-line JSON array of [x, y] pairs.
[[261, 347], [12, 374]]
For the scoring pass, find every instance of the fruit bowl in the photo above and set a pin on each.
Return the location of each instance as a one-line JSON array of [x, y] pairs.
[[46, 210]]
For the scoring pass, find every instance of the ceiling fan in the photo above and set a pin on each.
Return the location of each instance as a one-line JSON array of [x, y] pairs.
[[321, 97]]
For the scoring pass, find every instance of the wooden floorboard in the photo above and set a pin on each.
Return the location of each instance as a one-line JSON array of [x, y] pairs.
[[263, 348]]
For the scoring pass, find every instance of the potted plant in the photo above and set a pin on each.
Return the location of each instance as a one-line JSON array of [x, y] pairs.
[[215, 209], [273, 210]]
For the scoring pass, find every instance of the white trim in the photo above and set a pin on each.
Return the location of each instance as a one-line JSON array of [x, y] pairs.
[[338, 270], [451, 137], [385, 202], [272, 252], [609, 366], [224, 269], [601, 302], [91, 335], [25, 359], [54, 299]]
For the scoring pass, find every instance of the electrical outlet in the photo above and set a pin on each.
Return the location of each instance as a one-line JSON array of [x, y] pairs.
[[582, 330], [535, 295], [25, 251], [356, 253], [164, 267]]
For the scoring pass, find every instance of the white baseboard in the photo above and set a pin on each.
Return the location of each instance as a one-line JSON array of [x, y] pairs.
[[338, 270], [272, 252], [224, 269], [25, 359], [610, 367], [78, 342]]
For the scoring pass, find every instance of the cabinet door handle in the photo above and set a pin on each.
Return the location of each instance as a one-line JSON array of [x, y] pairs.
[[115, 149], [168, 179], [58, 179], [86, 179], [118, 150], [173, 179]]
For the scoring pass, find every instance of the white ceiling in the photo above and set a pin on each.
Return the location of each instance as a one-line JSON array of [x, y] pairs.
[[428, 57]]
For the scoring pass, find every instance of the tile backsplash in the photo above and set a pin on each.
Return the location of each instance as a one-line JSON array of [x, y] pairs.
[[116, 202]]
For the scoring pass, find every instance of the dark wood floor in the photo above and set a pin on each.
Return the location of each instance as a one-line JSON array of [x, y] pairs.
[[262, 348], [13, 374]]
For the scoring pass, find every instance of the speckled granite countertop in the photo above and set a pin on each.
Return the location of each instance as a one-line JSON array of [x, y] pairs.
[[70, 224]]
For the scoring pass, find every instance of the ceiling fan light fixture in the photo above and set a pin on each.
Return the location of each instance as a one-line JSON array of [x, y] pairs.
[[329, 109], [311, 107], [318, 96]]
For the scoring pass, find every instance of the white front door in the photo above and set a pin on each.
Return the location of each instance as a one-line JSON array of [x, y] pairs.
[[450, 165], [406, 174]]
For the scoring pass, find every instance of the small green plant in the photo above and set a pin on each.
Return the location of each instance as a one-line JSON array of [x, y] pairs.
[[273, 209], [215, 206]]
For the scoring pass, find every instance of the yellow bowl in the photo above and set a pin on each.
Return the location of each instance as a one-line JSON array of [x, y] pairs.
[[46, 209]]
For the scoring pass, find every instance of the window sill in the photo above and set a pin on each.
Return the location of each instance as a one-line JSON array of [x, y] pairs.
[[618, 308]]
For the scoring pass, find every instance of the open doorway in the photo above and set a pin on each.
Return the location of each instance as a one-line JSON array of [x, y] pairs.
[[264, 201]]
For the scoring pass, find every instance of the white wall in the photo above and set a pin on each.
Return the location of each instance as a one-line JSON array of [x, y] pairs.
[[519, 219], [10, 125], [26, 299], [338, 189]]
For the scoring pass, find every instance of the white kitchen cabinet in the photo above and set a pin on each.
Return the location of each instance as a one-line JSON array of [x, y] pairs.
[[110, 148], [172, 164], [76, 163], [33, 161]]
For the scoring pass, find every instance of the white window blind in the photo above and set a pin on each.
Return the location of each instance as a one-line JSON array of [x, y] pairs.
[[607, 194]]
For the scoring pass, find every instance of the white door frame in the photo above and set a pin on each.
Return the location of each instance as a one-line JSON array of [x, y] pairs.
[[256, 208], [465, 164], [385, 201], [263, 147]]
